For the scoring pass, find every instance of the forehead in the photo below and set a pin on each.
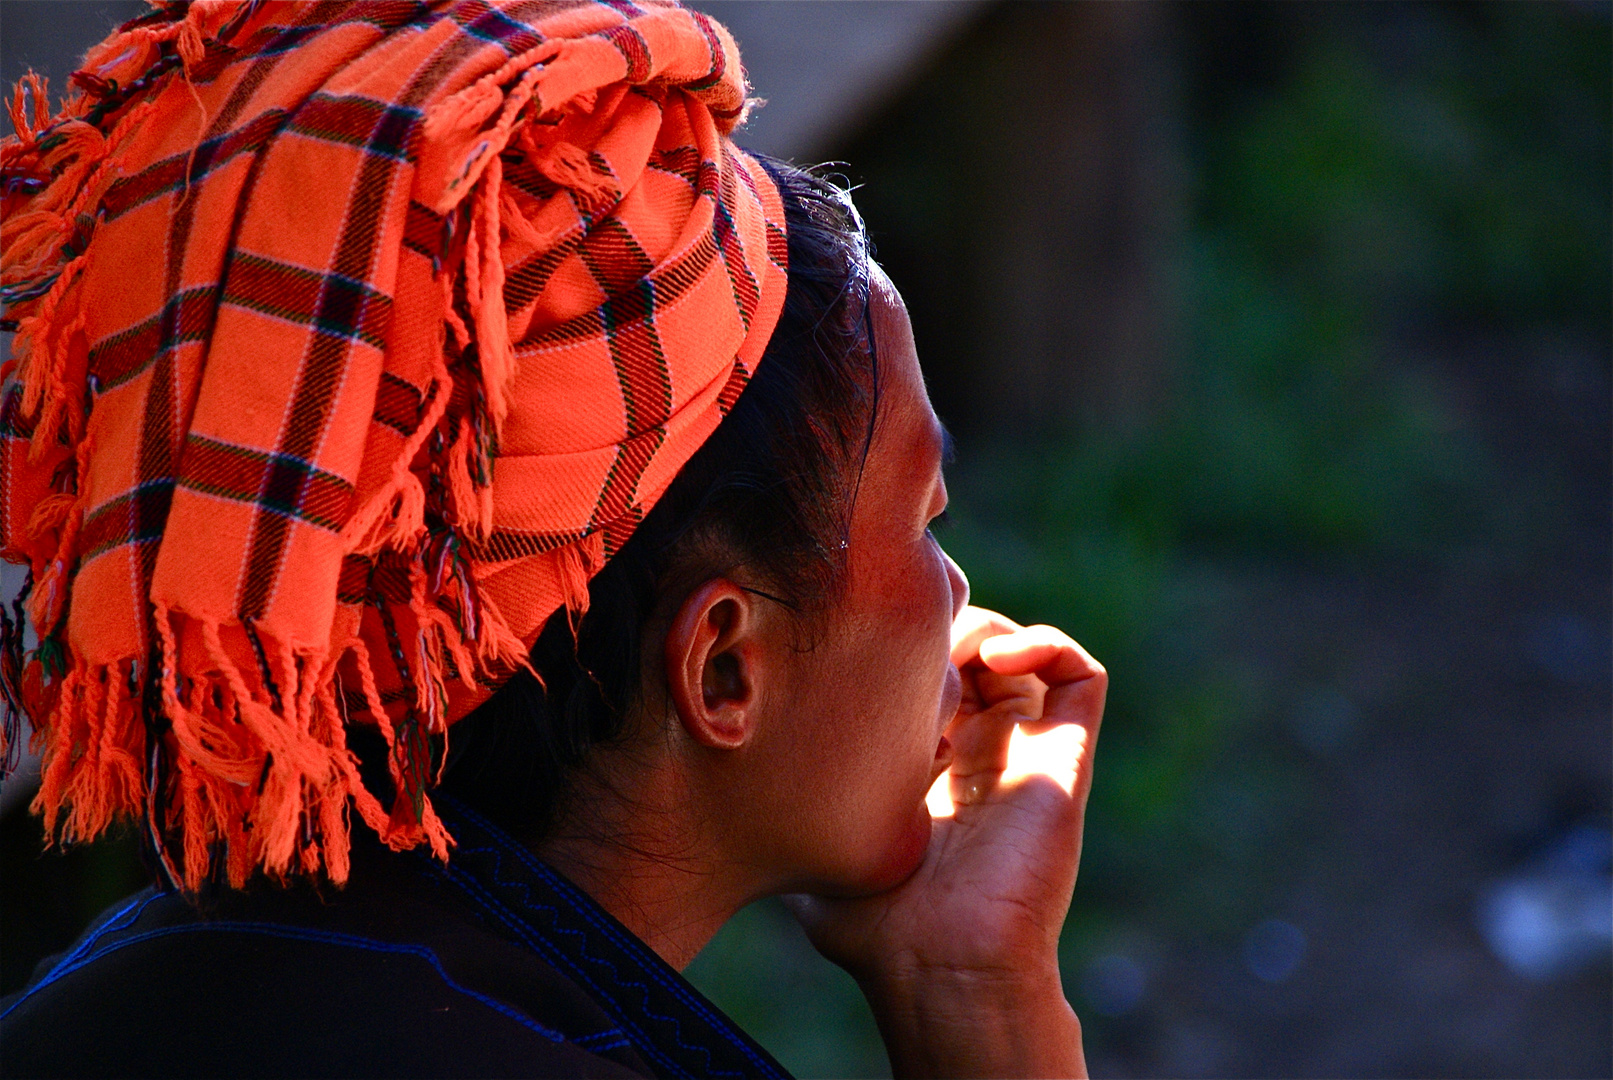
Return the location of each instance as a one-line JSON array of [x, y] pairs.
[[904, 405]]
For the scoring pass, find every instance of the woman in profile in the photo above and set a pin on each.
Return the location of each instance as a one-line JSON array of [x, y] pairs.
[[426, 413]]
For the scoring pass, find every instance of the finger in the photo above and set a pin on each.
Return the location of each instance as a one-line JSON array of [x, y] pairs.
[[1075, 698], [1058, 753], [1019, 694], [1079, 702], [1043, 651], [980, 739], [973, 626], [1022, 684], [981, 733], [1072, 711]]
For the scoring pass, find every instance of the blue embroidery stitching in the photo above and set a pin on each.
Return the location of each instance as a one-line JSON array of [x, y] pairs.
[[534, 940], [584, 907]]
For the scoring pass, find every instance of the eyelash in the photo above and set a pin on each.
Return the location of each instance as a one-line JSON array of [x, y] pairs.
[[941, 521]]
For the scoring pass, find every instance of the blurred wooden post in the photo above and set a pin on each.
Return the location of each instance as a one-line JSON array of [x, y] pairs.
[[1026, 193], [1075, 248]]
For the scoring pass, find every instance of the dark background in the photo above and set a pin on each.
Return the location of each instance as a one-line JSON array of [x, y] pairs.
[[1276, 338]]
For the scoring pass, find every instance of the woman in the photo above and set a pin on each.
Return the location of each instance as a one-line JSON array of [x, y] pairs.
[[481, 361]]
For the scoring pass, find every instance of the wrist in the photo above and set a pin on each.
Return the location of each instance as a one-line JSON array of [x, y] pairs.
[[972, 1022]]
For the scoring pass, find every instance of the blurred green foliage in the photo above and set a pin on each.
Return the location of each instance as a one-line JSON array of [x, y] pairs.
[[1358, 208], [1395, 180], [1388, 175]]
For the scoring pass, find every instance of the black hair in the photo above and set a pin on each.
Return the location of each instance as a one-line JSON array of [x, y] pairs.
[[770, 491]]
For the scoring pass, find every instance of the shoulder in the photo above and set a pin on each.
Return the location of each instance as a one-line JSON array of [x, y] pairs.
[[305, 985]]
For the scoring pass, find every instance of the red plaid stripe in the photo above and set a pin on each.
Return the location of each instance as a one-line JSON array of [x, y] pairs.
[[673, 280], [680, 161], [778, 248], [528, 279], [278, 483], [136, 517], [502, 545], [503, 28], [398, 404], [375, 126], [719, 61], [184, 318], [738, 378], [423, 232], [172, 173], [330, 303], [630, 43], [632, 458]]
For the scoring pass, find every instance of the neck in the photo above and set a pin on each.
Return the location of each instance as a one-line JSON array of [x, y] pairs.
[[641, 857]]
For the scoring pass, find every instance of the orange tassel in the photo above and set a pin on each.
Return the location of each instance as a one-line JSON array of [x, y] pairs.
[[395, 517]]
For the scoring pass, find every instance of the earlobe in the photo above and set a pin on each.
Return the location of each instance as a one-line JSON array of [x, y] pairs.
[[711, 665]]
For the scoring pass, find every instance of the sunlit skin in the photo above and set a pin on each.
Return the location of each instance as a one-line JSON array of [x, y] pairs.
[[915, 781]]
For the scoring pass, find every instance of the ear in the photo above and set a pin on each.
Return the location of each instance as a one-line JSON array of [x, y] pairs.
[[713, 664]]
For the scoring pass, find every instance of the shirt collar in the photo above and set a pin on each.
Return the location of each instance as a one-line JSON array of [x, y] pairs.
[[671, 1024]]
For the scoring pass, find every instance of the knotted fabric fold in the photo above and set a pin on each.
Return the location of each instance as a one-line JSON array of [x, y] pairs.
[[351, 340]]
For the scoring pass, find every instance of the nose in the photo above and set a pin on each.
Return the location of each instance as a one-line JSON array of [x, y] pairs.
[[960, 585]]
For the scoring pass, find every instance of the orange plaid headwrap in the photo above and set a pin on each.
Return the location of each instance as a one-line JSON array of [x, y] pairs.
[[352, 339]]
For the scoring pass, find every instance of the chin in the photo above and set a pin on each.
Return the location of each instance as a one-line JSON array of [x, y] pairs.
[[900, 856]]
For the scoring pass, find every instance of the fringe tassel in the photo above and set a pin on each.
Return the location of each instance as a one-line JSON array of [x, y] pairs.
[[468, 470], [484, 288], [47, 606], [123, 739], [251, 763], [32, 89], [65, 733], [46, 245], [396, 515], [577, 564], [251, 786]]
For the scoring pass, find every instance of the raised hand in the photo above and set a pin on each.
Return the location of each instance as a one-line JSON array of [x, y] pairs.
[[960, 962]]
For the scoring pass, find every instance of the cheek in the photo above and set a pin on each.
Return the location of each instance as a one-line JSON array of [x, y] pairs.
[[858, 757], [908, 659], [904, 661], [865, 721], [923, 619]]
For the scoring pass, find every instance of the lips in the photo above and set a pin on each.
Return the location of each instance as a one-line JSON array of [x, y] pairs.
[[951, 696]]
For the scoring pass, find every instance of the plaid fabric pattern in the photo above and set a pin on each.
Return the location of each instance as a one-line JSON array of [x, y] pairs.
[[352, 339]]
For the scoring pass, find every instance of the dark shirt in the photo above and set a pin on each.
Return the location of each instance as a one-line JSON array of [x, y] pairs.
[[494, 965]]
